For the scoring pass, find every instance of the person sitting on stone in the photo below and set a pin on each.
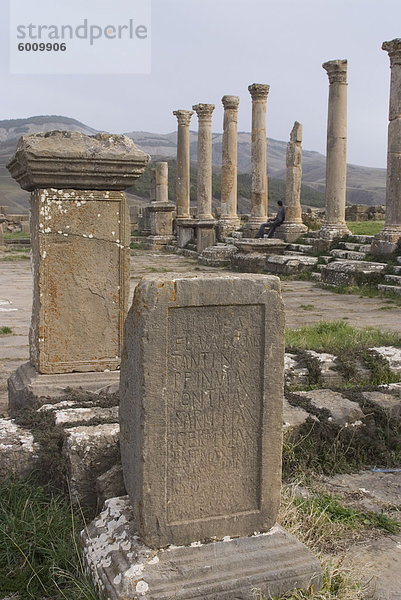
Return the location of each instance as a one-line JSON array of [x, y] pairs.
[[273, 223]]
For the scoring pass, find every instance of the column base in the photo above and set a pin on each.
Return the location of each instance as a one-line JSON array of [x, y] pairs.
[[386, 241], [205, 234], [331, 231], [225, 227], [29, 389], [251, 228], [269, 564], [290, 232], [185, 231]]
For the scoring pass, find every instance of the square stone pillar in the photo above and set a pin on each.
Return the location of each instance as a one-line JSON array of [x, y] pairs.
[[160, 211], [201, 416], [80, 255]]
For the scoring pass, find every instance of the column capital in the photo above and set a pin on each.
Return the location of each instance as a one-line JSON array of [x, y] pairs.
[[230, 102], [336, 70], [204, 111], [183, 116], [259, 91], [394, 51]]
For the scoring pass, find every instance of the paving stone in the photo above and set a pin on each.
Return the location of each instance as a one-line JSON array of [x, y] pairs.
[[18, 451], [392, 354], [80, 415], [293, 417], [343, 411], [387, 402]]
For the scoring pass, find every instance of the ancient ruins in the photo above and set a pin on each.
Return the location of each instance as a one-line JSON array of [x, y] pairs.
[[170, 414]]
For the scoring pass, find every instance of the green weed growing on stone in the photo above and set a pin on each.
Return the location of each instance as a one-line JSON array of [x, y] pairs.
[[6, 330]]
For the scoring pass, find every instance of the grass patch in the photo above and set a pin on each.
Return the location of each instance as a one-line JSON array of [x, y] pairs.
[[16, 235], [336, 336], [365, 227], [307, 306], [14, 257], [5, 330], [136, 246], [39, 545]]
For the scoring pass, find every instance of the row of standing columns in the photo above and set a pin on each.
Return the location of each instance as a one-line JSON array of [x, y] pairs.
[[336, 163], [229, 220]]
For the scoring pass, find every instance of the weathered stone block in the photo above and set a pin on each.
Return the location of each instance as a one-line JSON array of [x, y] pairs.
[[343, 411], [80, 248], [201, 406], [18, 451], [90, 451]]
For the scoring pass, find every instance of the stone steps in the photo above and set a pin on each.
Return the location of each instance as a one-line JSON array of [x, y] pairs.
[[347, 254], [289, 264], [393, 279], [361, 239], [395, 289], [397, 270], [346, 272], [399, 260], [304, 248], [353, 247]]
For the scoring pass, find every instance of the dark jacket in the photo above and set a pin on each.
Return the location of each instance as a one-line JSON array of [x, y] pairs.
[[280, 216]]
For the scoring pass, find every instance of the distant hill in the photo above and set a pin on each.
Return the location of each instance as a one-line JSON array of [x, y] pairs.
[[365, 185]]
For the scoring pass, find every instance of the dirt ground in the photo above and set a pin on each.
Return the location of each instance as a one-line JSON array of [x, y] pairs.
[[305, 304]]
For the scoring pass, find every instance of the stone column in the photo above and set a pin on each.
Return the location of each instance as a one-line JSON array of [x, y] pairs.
[[293, 228], [205, 223], [183, 163], [385, 242], [80, 240], [229, 220], [259, 92], [336, 159], [184, 221], [160, 211]]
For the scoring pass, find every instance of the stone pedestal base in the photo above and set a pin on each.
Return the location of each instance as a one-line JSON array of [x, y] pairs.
[[261, 246], [251, 228], [185, 231], [156, 242], [386, 241], [332, 231], [225, 227], [268, 564], [205, 234], [27, 388], [290, 232], [218, 256]]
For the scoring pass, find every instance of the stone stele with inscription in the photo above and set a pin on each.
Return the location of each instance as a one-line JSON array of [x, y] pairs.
[[201, 411]]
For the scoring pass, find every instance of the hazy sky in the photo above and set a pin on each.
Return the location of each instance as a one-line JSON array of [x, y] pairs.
[[203, 49]]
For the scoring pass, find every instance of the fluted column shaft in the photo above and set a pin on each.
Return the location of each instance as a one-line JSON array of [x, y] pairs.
[[204, 187], [385, 242], [336, 158], [183, 164], [259, 94]]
